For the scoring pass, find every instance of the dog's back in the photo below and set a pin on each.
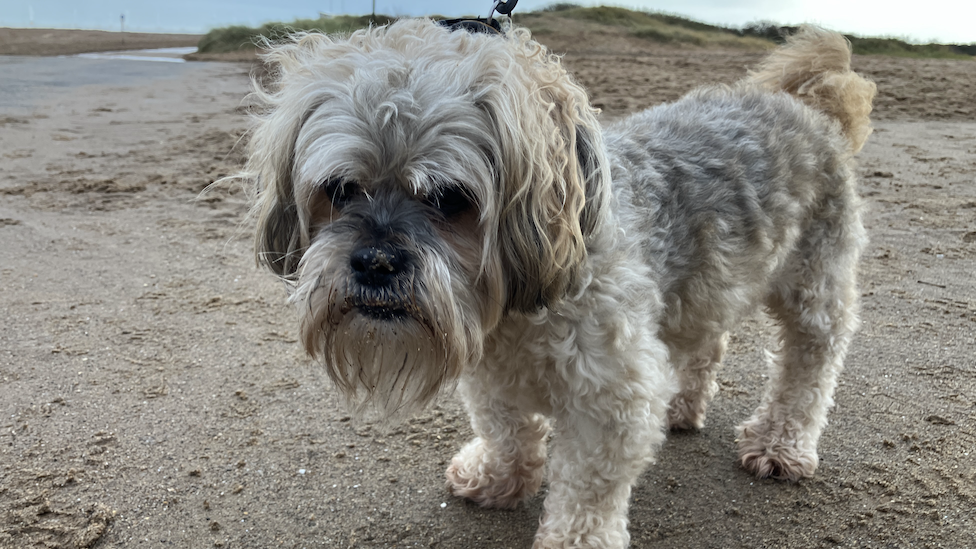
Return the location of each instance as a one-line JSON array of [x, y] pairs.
[[723, 180], [746, 195]]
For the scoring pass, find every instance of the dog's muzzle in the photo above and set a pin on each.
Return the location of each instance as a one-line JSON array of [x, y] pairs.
[[377, 266], [381, 282]]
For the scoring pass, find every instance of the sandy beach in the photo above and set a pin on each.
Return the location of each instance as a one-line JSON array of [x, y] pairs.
[[153, 393], [38, 42]]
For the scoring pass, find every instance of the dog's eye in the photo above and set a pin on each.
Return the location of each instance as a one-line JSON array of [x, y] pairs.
[[340, 191], [450, 201]]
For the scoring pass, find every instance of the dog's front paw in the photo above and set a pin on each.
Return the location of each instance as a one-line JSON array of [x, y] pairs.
[[583, 532], [493, 479], [778, 452], [586, 542]]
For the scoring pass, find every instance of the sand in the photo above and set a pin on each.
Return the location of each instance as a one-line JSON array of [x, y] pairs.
[[68, 42], [153, 393]]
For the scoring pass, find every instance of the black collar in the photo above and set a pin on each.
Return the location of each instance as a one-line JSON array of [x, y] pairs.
[[487, 26]]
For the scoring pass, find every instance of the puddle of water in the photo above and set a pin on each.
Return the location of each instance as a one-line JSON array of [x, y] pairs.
[[160, 55]]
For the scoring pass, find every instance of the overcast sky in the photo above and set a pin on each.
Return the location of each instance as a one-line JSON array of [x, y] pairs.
[[920, 21]]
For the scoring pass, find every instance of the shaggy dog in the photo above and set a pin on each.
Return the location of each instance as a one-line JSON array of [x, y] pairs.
[[449, 211]]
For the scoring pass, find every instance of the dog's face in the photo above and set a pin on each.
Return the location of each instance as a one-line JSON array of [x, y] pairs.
[[417, 185]]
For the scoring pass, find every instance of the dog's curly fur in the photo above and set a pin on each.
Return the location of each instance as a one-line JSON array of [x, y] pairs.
[[449, 210]]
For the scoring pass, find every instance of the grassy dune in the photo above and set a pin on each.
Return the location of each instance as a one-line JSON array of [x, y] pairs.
[[900, 48], [237, 37], [655, 27]]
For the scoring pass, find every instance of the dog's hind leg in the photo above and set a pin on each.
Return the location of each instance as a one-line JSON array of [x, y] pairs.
[[696, 377], [815, 302]]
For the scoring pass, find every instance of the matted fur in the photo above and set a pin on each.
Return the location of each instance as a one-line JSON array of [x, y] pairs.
[[578, 280]]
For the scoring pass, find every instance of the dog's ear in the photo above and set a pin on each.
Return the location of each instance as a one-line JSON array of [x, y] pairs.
[[594, 170], [280, 238], [282, 225], [551, 173]]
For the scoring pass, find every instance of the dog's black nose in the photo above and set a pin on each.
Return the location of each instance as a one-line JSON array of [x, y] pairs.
[[376, 266]]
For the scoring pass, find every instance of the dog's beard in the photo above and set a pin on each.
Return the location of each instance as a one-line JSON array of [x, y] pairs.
[[388, 350]]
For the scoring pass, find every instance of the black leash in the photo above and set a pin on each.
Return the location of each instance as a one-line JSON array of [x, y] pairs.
[[488, 24]]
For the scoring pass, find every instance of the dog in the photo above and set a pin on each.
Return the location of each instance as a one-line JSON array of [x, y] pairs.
[[449, 213]]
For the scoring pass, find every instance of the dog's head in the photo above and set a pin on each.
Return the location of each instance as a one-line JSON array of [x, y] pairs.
[[417, 184]]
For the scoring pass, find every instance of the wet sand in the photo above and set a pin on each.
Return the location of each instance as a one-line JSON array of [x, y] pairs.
[[40, 42]]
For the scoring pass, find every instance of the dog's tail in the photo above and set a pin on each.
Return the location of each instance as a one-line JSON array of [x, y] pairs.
[[815, 66]]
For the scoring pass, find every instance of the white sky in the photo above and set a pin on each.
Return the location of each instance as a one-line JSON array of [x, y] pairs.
[[948, 21]]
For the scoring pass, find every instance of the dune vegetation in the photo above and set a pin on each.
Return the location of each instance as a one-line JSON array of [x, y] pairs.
[[651, 26], [238, 37]]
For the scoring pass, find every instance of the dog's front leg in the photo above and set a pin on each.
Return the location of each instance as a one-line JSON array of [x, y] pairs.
[[609, 408], [504, 464]]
